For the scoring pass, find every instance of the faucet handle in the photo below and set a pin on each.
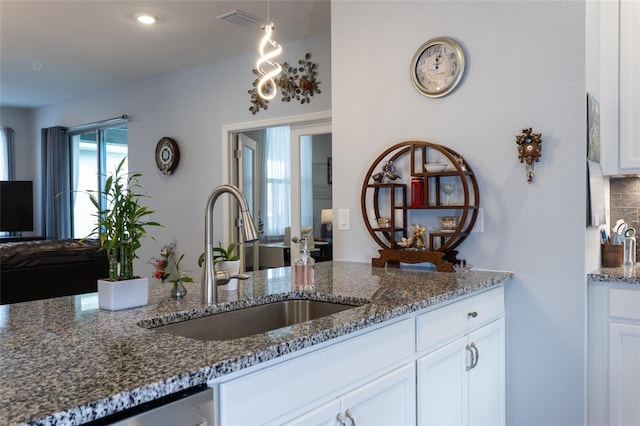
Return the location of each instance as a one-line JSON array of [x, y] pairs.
[[223, 277]]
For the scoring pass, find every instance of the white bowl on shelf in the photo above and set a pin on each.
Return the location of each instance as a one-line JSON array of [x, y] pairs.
[[435, 167]]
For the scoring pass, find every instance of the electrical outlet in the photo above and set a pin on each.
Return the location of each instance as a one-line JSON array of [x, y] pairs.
[[343, 220], [478, 227]]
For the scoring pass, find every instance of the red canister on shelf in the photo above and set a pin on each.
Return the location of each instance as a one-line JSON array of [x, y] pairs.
[[417, 192]]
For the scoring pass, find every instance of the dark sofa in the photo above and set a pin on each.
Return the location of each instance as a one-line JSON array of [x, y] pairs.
[[42, 269]]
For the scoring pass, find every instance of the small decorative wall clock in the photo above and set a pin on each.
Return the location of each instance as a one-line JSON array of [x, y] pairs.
[[167, 155], [437, 67], [529, 150]]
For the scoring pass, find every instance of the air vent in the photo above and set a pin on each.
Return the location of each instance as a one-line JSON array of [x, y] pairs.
[[239, 17]]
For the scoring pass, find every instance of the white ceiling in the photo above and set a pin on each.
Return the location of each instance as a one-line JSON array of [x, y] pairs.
[[52, 50]]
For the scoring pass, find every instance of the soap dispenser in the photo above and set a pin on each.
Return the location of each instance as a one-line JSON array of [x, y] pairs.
[[304, 267]]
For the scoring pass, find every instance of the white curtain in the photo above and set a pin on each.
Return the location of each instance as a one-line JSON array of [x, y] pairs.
[[276, 181], [306, 181], [7, 168]]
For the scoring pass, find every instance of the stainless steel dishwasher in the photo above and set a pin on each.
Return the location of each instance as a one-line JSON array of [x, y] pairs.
[[191, 407]]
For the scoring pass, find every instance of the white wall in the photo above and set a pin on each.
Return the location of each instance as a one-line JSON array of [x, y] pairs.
[[525, 68], [19, 119], [190, 106]]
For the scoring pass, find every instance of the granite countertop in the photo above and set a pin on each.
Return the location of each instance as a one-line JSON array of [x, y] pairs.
[[624, 274], [64, 361]]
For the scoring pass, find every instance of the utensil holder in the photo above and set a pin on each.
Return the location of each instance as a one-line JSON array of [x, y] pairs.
[[611, 255]]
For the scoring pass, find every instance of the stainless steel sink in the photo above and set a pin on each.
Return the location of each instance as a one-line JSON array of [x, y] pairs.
[[253, 320]]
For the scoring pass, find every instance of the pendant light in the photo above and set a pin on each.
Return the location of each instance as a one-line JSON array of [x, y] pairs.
[[267, 88]]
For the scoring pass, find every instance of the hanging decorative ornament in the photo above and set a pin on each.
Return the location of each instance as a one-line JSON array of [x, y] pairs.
[[267, 85], [529, 150]]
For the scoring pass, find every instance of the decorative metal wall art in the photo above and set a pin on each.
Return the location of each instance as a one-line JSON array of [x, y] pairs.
[[529, 150], [297, 83]]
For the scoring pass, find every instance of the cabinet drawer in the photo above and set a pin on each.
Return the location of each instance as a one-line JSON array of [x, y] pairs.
[[275, 391], [624, 303], [436, 327]]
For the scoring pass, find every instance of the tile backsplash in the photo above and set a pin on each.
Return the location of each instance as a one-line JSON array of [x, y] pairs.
[[625, 203]]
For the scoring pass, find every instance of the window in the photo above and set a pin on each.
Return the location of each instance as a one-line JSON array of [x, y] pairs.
[[276, 180], [6, 136], [95, 153]]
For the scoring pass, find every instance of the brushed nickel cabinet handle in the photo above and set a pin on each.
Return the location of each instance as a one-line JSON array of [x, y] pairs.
[[470, 364], [475, 359], [472, 314], [341, 419], [350, 417]]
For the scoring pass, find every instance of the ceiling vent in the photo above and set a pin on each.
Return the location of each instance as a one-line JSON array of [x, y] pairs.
[[239, 17]]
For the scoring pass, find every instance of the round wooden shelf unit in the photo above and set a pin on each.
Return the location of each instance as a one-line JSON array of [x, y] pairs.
[[386, 196]]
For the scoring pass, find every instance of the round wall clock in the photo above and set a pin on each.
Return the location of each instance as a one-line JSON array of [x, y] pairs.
[[437, 67], [167, 155]]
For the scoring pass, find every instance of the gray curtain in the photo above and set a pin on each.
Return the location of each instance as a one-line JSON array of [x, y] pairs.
[[56, 192], [9, 152]]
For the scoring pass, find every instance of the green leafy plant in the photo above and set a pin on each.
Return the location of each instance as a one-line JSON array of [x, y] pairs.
[[121, 223], [223, 254], [177, 275]]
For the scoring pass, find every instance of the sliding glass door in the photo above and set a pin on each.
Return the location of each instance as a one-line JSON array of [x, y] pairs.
[[95, 154]]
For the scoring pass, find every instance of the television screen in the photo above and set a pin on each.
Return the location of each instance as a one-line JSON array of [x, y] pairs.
[[16, 206]]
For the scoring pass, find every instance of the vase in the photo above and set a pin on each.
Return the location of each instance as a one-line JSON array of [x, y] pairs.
[[178, 290], [124, 294], [233, 268]]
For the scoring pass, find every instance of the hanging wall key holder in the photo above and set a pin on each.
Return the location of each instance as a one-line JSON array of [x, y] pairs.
[[529, 150]]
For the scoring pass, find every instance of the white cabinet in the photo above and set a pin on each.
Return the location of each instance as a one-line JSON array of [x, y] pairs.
[[463, 382], [620, 86], [614, 354], [442, 365], [624, 373], [388, 400], [282, 392]]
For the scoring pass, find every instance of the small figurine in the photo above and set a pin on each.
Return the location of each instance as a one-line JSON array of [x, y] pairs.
[[389, 169]]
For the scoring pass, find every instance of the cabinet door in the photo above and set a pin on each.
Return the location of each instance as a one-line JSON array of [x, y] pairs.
[[442, 385], [324, 415], [629, 85], [624, 374], [388, 400], [486, 378]]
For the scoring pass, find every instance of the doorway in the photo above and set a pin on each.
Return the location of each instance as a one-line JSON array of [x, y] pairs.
[[284, 169]]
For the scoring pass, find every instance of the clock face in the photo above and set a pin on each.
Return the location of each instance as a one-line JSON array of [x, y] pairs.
[[437, 67], [167, 155]]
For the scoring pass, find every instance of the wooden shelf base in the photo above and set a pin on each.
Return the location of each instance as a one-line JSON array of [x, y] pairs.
[[443, 261]]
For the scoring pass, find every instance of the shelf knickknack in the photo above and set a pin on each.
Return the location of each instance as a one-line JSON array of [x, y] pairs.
[[394, 206], [295, 83]]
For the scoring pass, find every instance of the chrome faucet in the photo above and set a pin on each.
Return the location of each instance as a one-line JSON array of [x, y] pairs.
[[210, 278]]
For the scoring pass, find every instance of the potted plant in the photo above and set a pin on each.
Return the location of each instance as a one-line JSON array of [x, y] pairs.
[[225, 261], [168, 268], [120, 224]]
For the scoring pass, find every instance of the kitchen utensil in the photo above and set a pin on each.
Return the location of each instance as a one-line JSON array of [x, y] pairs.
[[603, 237], [619, 229]]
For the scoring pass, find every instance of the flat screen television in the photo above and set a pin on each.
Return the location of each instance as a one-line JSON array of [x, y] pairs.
[[16, 205]]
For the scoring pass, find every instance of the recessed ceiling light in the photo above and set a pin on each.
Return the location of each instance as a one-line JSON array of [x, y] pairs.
[[146, 19]]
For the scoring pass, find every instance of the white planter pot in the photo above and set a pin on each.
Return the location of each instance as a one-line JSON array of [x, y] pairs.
[[117, 295], [233, 268]]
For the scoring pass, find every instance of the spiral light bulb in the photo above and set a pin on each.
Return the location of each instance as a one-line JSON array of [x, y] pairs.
[[267, 58]]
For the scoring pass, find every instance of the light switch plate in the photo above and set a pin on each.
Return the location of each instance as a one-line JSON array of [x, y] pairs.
[[478, 227], [343, 220]]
